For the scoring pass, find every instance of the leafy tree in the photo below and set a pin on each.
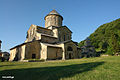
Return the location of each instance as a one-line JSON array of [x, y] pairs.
[[114, 43], [81, 44], [103, 45], [109, 51], [106, 37]]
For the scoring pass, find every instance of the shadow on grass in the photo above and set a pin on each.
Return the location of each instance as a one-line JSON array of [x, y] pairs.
[[10, 65], [50, 73], [6, 65]]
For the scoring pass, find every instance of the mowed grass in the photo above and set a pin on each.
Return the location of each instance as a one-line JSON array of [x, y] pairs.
[[100, 68]]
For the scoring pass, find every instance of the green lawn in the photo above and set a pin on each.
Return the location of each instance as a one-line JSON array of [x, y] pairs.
[[100, 68]]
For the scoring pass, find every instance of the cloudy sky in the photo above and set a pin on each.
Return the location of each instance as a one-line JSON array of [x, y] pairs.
[[83, 17]]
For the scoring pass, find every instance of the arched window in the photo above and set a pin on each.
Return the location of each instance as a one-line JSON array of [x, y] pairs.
[[59, 38], [69, 48], [64, 37], [68, 37]]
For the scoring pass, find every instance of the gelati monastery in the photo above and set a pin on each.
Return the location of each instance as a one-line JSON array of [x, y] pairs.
[[50, 43]]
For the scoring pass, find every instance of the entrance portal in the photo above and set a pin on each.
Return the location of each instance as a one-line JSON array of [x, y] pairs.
[[70, 52], [33, 56]]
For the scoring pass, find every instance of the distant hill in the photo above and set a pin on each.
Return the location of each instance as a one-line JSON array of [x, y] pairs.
[[106, 38]]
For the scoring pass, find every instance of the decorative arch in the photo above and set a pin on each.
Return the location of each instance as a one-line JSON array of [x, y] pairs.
[[69, 48]]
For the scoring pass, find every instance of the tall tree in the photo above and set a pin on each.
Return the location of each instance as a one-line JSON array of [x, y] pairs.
[[114, 43]]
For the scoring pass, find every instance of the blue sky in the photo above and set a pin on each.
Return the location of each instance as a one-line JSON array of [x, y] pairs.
[[83, 17]]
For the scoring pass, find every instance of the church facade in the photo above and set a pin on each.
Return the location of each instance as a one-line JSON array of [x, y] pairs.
[[49, 43]]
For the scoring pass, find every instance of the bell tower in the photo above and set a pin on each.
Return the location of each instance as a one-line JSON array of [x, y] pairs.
[[53, 19]]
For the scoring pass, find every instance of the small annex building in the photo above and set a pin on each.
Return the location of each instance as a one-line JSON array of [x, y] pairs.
[[49, 43]]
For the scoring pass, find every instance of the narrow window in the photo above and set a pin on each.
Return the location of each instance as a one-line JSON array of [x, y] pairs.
[[59, 38], [68, 37], [64, 37]]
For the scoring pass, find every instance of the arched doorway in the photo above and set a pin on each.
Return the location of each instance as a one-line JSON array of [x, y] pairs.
[[33, 56], [69, 52]]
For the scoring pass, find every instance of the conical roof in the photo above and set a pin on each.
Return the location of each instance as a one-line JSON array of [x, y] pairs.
[[54, 12]]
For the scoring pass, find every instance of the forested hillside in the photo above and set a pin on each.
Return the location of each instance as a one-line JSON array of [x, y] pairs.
[[106, 38]]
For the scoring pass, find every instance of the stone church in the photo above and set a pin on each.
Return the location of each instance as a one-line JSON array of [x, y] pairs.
[[49, 43]]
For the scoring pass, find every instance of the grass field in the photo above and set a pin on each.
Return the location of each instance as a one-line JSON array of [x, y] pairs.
[[100, 68]]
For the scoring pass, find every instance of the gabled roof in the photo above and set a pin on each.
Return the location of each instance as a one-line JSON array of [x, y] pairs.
[[66, 28], [44, 28], [61, 27], [67, 42], [51, 45], [19, 45], [48, 35], [32, 25], [23, 44]]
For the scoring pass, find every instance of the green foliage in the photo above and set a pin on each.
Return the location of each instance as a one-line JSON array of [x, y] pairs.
[[114, 43], [109, 51], [81, 44], [107, 37]]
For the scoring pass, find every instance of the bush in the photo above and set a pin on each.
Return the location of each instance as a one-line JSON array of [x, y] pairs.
[[109, 51], [2, 59], [36, 60]]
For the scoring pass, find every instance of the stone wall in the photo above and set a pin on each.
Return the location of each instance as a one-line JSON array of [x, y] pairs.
[[33, 48], [53, 20], [31, 33], [23, 52], [48, 39], [17, 53], [12, 54], [70, 53], [43, 51], [55, 32], [44, 31], [64, 34], [54, 52]]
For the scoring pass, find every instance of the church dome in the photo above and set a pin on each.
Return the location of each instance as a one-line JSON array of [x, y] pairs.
[[53, 19], [54, 12]]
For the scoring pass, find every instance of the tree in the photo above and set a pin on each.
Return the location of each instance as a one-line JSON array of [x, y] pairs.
[[114, 43], [81, 44], [106, 37]]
